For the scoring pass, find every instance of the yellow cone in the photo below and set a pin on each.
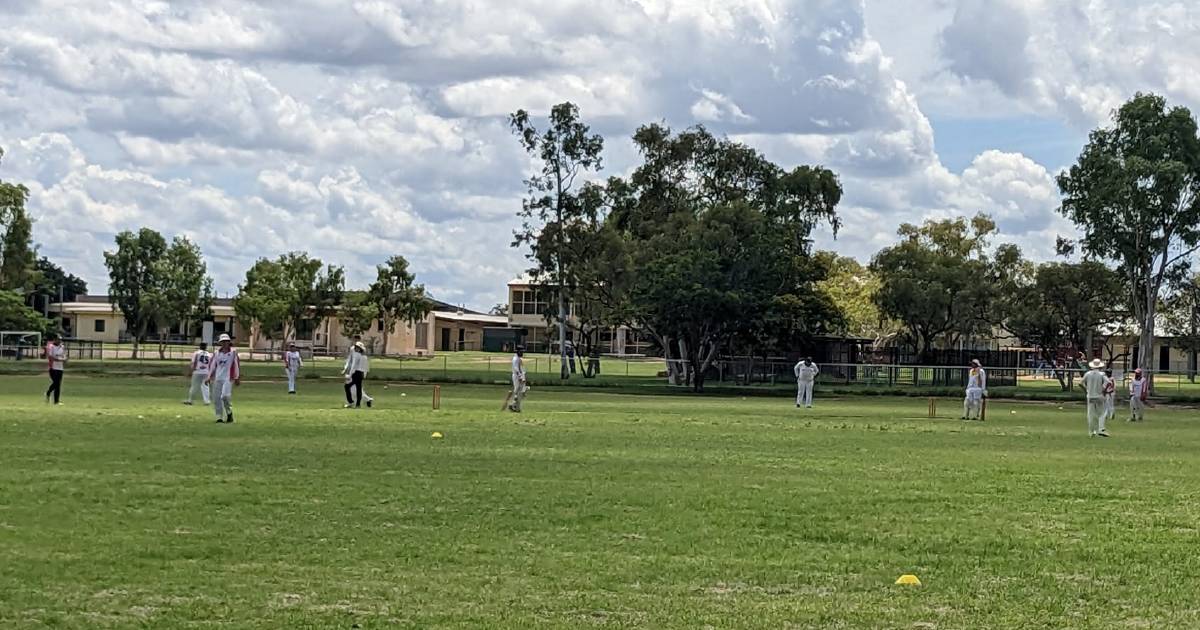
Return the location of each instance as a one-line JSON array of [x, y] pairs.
[[908, 580], [437, 435]]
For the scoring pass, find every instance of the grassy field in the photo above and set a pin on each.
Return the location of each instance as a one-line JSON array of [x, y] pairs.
[[124, 508]]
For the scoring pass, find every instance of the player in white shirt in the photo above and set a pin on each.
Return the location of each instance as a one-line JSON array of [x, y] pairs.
[[56, 358], [357, 367], [519, 383], [1094, 382], [1139, 390], [806, 374], [976, 391], [348, 372], [224, 373], [291, 366], [198, 370], [1110, 396]]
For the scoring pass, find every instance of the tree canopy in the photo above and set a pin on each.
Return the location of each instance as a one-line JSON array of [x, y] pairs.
[[1134, 192], [942, 282], [396, 296]]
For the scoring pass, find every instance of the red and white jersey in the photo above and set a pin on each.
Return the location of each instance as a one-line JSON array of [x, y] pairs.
[[1138, 389], [225, 366], [291, 360], [200, 361], [55, 356]]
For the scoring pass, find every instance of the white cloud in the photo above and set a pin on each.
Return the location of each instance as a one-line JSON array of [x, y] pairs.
[[358, 129]]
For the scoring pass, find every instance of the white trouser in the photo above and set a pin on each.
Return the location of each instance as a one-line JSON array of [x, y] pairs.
[[518, 392], [1095, 415], [1109, 407], [198, 379], [1137, 409], [973, 404], [291, 376], [222, 398], [804, 391]]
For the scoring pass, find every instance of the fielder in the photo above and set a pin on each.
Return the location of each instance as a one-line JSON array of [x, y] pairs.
[[224, 374], [349, 364], [56, 358], [201, 359], [1110, 396], [806, 375], [291, 366], [1139, 391], [976, 391], [356, 372], [1094, 382], [519, 383]]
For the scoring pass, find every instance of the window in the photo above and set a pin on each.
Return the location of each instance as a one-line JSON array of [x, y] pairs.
[[66, 323], [423, 336], [99, 325], [527, 302], [379, 325]]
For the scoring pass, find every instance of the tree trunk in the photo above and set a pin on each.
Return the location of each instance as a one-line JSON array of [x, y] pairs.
[[387, 328], [564, 368], [1146, 340]]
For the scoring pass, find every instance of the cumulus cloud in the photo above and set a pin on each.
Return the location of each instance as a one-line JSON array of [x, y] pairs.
[[358, 129], [1077, 59]]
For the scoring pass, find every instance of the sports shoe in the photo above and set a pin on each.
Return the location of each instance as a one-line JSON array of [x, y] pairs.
[[370, 401], [347, 406], [220, 421], [229, 418], [1103, 434], [188, 403]]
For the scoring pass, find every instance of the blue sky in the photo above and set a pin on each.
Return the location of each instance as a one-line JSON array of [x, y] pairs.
[[359, 129]]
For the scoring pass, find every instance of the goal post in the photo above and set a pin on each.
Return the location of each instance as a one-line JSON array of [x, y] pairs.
[[20, 344]]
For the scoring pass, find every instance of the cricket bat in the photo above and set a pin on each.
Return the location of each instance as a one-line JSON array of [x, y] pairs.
[[507, 399], [983, 411]]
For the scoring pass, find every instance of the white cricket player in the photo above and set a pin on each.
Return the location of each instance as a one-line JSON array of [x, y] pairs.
[[349, 372], [1110, 396], [292, 362], [224, 373], [1094, 382], [1139, 391], [519, 383], [198, 369], [356, 372], [806, 375], [976, 391]]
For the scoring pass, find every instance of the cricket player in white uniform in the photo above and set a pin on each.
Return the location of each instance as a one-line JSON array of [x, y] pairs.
[[348, 372], [519, 383], [56, 359], [224, 373], [1094, 382], [356, 371], [806, 375], [1139, 390], [291, 366], [201, 359], [1110, 396], [976, 390]]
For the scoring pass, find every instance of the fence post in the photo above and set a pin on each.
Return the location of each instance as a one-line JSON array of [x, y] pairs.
[[445, 366]]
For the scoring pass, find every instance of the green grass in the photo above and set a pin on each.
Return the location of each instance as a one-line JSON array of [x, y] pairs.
[[593, 509]]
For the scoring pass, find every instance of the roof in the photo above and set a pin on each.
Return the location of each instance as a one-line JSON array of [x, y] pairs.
[[85, 307], [522, 281], [220, 308], [456, 316]]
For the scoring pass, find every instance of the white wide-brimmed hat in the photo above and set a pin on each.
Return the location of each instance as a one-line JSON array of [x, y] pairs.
[[223, 338], [360, 346], [1096, 364]]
